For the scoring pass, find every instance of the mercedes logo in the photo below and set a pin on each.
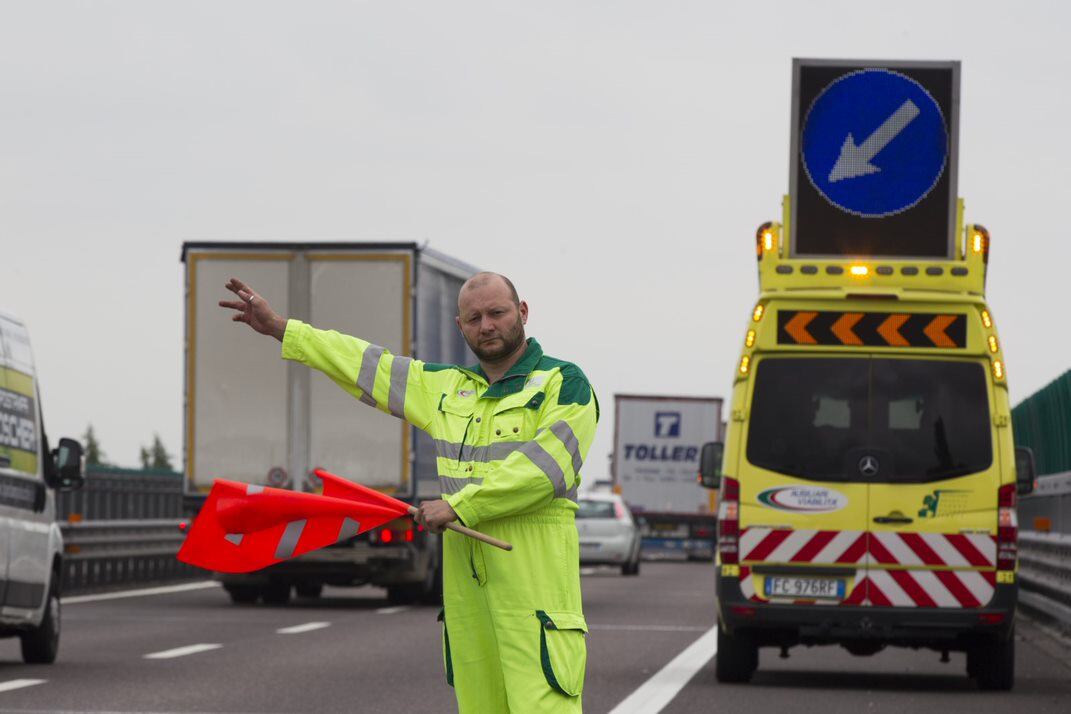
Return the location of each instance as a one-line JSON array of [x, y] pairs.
[[868, 466]]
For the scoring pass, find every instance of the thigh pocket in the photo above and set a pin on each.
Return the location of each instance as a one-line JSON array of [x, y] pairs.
[[563, 651], [448, 663]]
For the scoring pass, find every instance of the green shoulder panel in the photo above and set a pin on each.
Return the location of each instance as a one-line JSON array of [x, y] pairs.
[[575, 389]]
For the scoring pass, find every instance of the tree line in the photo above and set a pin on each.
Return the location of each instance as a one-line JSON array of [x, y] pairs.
[[154, 456]]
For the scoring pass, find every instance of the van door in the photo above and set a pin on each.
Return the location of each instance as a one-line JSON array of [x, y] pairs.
[[933, 500], [803, 515], [26, 502]]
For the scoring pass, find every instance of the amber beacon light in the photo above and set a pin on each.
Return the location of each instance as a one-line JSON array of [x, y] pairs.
[[764, 239], [979, 241]]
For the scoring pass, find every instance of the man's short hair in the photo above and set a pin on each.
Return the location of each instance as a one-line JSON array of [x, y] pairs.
[[485, 276]]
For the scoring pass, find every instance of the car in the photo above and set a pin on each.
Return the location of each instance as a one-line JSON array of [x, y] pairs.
[[608, 532], [31, 545]]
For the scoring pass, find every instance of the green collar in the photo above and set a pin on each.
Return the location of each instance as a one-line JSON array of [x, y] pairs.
[[509, 384]]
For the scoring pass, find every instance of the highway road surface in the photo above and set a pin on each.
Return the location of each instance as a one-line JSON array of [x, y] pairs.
[[651, 648]]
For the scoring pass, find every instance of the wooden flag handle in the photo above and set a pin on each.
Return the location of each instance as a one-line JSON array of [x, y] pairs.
[[470, 533]]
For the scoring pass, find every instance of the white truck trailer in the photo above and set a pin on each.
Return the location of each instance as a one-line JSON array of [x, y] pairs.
[[655, 467], [254, 418]]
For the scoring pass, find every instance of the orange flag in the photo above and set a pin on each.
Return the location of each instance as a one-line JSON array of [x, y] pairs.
[[245, 527]]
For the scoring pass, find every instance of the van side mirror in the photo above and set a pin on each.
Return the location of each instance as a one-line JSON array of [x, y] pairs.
[[710, 464], [1025, 470], [68, 473]]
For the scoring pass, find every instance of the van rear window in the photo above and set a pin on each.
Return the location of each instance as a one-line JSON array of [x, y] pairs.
[[920, 420]]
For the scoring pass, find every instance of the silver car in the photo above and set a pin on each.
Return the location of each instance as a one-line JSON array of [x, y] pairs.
[[608, 532]]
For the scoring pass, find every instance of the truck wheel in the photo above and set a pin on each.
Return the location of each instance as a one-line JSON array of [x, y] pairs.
[[276, 593], [243, 594], [312, 590], [993, 664], [41, 644], [631, 568], [737, 657]]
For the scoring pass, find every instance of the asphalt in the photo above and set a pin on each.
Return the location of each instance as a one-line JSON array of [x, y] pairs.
[[370, 657]]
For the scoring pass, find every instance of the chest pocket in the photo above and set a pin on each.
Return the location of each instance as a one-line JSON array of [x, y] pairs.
[[514, 417], [455, 415]]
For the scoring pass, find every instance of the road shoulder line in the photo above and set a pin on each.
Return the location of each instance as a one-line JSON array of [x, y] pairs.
[[659, 690], [163, 590]]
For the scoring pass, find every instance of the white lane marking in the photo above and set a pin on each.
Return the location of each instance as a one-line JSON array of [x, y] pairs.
[[183, 651], [307, 627], [659, 690], [19, 684], [391, 610], [165, 590], [588, 571]]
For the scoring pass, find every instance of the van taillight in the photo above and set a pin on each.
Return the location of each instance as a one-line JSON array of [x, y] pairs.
[[729, 521], [619, 512], [1007, 528]]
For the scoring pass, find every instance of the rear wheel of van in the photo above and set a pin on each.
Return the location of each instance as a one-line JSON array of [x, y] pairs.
[[41, 644], [993, 665], [737, 657]]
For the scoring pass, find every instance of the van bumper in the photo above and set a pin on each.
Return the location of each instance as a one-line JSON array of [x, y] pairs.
[[939, 628]]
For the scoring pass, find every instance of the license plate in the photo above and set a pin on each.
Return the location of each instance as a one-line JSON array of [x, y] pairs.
[[805, 588]]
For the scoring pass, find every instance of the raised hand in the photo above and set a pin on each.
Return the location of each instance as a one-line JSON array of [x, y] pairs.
[[254, 310]]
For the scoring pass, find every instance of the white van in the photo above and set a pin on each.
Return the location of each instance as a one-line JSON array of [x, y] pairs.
[[31, 546]]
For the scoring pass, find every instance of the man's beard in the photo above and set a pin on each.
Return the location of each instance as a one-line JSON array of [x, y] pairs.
[[510, 342]]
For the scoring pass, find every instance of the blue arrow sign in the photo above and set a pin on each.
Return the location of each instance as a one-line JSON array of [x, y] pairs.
[[874, 143]]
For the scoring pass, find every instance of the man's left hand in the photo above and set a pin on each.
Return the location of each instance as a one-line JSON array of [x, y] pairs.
[[434, 515]]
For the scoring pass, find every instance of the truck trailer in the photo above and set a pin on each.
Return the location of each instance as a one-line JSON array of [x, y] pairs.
[[657, 439], [254, 418]]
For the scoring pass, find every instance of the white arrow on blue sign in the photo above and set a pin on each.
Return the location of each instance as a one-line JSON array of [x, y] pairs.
[[874, 143]]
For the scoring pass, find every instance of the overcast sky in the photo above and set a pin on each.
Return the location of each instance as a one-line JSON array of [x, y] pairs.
[[613, 158]]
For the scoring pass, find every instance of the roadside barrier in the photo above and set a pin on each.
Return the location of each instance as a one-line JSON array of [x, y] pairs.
[[112, 493], [1048, 508], [1045, 576], [107, 555], [1045, 550]]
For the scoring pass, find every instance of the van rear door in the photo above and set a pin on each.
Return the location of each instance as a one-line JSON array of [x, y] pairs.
[[803, 514], [933, 500]]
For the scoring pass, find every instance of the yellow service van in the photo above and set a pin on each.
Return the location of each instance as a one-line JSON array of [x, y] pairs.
[[868, 481], [31, 545]]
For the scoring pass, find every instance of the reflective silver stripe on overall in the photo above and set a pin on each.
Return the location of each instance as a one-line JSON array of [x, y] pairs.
[[479, 454], [563, 431], [499, 452], [399, 380], [366, 377], [450, 485], [546, 463]]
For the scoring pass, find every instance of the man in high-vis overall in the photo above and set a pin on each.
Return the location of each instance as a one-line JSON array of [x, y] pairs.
[[511, 435]]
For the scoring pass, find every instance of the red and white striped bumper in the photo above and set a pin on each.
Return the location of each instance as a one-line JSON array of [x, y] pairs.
[[924, 570]]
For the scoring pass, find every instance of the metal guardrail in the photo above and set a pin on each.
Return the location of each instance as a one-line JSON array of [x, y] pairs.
[[112, 493], [1045, 576], [102, 555], [1048, 508]]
